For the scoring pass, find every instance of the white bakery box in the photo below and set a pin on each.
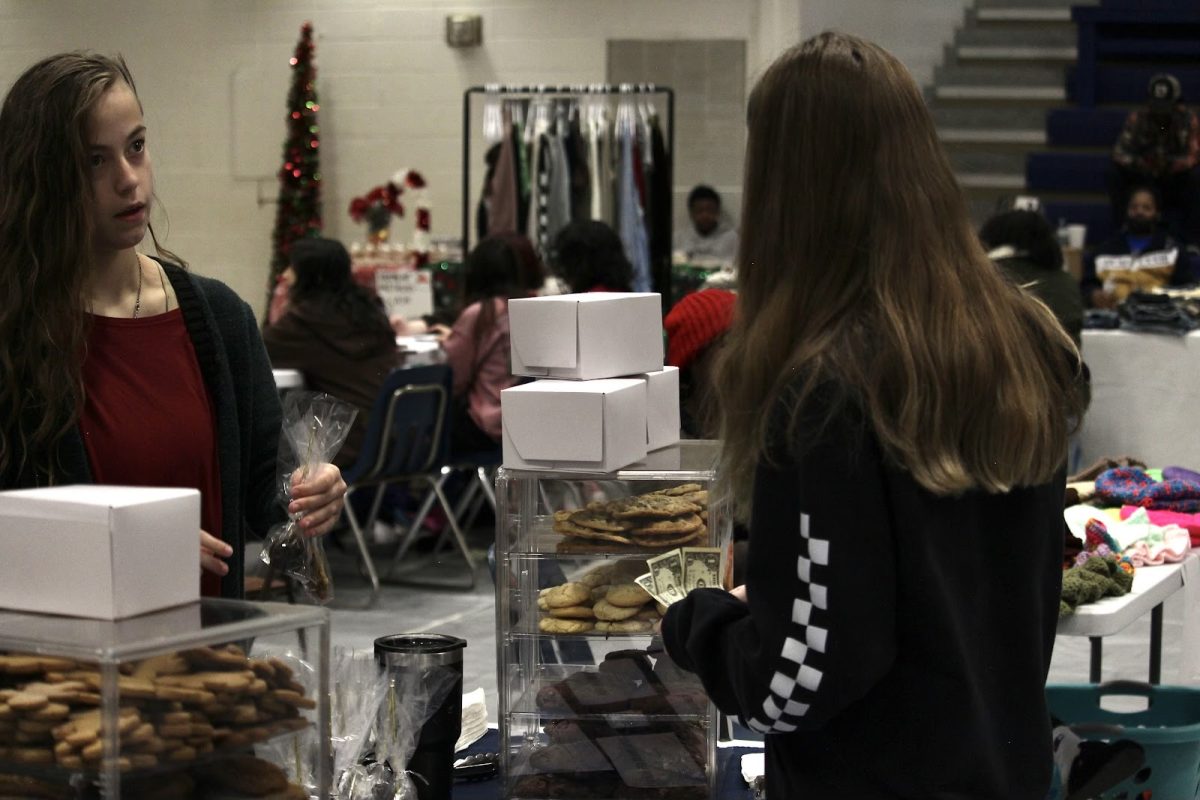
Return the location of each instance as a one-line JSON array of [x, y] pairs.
[[589, 426], [104, 552], [586, 336]]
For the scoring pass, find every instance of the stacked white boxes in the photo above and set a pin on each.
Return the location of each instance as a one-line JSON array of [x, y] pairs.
[[604, 398]]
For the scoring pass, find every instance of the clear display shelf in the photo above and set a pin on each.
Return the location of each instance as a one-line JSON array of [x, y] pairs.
[[203, 700], [590, 705]]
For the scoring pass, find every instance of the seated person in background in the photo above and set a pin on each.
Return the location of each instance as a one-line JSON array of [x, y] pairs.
[[1024, 246], [710, 238], [335, 332], [695, 326], [1142, 255], [477, 347], [588, 256], [1159, 146]]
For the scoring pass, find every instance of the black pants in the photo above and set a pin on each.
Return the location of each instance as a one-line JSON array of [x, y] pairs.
[[465, 436]]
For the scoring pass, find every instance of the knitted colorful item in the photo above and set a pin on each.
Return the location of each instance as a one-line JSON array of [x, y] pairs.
[[1096, 577], [1096, 535], [1128, 485], [1189, 522]]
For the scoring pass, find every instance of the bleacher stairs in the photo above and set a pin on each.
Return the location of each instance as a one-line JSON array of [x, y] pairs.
[[1020, 113]]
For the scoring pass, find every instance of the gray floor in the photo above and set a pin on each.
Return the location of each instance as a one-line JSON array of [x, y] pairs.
[[470, 614]]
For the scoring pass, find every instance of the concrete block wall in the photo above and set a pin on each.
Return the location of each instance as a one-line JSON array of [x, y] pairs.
[[213, 76]]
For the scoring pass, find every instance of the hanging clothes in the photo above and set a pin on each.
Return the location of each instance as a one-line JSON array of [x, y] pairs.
[[631, 226], [503, 209], [660, 206], [558, 199]]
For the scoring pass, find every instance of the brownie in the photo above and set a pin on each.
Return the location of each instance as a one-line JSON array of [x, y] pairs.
[[596, 693], [656, 760]]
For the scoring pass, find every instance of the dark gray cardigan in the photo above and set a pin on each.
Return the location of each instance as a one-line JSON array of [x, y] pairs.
[[238, 375]]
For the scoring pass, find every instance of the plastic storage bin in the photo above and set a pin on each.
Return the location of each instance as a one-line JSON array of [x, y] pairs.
[[596, 710], [1168, 730], [200, 695]]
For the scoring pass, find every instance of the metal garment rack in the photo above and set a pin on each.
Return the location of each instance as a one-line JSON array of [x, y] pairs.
[[660, 272]]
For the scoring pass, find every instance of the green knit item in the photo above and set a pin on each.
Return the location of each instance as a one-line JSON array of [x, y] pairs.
[[1099, 576]]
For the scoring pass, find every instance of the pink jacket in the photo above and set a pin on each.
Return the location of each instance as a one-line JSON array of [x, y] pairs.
[[481, 372]]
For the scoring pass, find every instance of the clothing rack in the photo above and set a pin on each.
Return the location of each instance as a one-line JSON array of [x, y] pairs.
[[472, 124]]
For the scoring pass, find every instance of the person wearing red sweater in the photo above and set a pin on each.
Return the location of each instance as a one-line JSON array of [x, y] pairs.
[[116, 367]]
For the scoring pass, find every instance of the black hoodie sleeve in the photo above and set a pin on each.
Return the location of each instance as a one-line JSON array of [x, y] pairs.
[[819, 629]]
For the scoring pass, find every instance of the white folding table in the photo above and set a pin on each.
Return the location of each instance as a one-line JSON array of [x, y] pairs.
[[1151, 587]]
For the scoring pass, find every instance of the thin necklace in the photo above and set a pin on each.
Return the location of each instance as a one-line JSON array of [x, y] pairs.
[[162, 279], [137, 302]]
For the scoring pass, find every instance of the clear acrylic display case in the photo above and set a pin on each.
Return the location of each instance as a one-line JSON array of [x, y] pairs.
[[586, 712], [203, 699]]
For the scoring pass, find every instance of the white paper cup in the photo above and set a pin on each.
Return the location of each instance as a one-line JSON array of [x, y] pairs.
[[1076, 235]]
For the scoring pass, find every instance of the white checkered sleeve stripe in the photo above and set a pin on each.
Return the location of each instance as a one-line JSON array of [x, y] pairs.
[[800, 665]]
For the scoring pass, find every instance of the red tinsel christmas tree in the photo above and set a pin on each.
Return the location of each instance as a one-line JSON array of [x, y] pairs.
[[299, 209]]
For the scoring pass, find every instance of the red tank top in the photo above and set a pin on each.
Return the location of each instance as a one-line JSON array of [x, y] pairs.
[[147, 416]]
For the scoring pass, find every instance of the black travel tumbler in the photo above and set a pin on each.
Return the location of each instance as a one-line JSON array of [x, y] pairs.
[[409, 657]]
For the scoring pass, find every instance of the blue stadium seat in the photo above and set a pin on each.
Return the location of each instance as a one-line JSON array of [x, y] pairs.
[[1066, 172]]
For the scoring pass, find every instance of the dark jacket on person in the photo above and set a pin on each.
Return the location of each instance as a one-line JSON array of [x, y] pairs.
[[896, 643], [1054, 287], [1118, 245], [340, 356], [237, 374]]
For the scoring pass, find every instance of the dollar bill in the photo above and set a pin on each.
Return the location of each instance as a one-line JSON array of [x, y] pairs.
[[666, 570], [701, 568], [647, 583]]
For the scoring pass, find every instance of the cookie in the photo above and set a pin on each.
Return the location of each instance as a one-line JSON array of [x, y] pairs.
[[166, 664], [573, 612], [627, 595], [699, 498], [625, 626], [678, 491], [553, 625], [568, 594], [569, 528], [295, 699], [20, 665], [31, 755], [542, 604], [670, 541], [27, 787], [206, 658], [599, 592], [649, 613], [26, 701], [51, 711], [686, 523], [650, 505], [599, 576], [598, 521], [608, 612]]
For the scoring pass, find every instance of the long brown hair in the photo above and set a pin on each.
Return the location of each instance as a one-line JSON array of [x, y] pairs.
[[46, 253], [859, 274]]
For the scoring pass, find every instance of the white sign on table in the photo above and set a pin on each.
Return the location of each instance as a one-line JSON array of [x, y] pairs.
[[407, 292]]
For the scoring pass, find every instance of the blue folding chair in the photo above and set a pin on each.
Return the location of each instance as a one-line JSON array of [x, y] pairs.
[[406, 442]]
